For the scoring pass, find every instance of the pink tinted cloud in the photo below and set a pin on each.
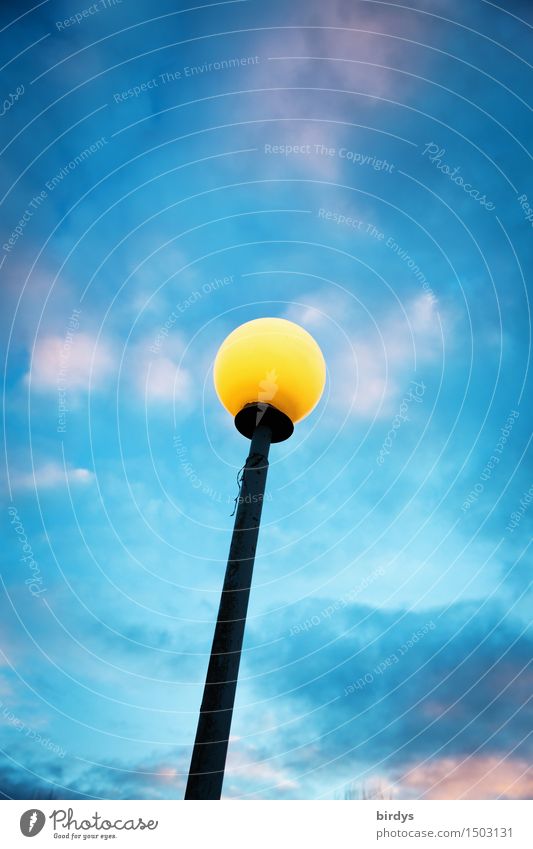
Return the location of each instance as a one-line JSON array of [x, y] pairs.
[[246, 767], [338, 47], [306, 65], [78, 361], [476, 777]]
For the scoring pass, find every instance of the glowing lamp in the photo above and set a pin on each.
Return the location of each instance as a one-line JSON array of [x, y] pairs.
[[273, 367], [269, 373]]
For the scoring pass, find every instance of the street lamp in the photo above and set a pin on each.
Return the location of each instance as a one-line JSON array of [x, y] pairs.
[[269, 373]]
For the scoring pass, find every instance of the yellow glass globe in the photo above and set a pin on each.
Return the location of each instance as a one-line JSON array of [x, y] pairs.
[[272, 361]]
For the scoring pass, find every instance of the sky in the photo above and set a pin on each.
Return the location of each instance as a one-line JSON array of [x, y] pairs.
[[168, 172]]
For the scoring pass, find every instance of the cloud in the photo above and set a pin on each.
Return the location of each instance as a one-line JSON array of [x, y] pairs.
[[21, 784], [356, 39], [159, 776], [154, 369], [50, 475], [75, 361], [249, 771], [337, 47], [447, 720], [163, 380], [39, 779], [477, 777], [405, 696], [371, 358]]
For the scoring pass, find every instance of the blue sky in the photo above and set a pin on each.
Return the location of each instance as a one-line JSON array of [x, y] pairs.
[[363, 169]]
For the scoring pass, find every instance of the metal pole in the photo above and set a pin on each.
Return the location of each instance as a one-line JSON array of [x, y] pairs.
[[206, 772]]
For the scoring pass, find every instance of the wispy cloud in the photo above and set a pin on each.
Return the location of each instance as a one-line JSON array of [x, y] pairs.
[[435, 714], [78, 360], [340, 47], [248, 770], [160, 376], [50, 475], [372, 358], [475, 777]]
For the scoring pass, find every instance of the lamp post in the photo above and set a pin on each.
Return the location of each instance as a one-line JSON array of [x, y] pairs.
[[269, 373]]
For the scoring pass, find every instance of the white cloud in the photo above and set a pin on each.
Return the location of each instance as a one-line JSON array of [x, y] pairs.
[[77, 362], [159, 376], [318, 309], [406, 341], [50, 475], [163, 380], [246, 762], [370, 368], [74, 359]]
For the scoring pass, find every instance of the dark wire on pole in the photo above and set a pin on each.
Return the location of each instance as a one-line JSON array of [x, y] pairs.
[[239, 491]]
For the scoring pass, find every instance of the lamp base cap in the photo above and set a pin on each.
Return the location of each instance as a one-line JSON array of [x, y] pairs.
[[256, 414]]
